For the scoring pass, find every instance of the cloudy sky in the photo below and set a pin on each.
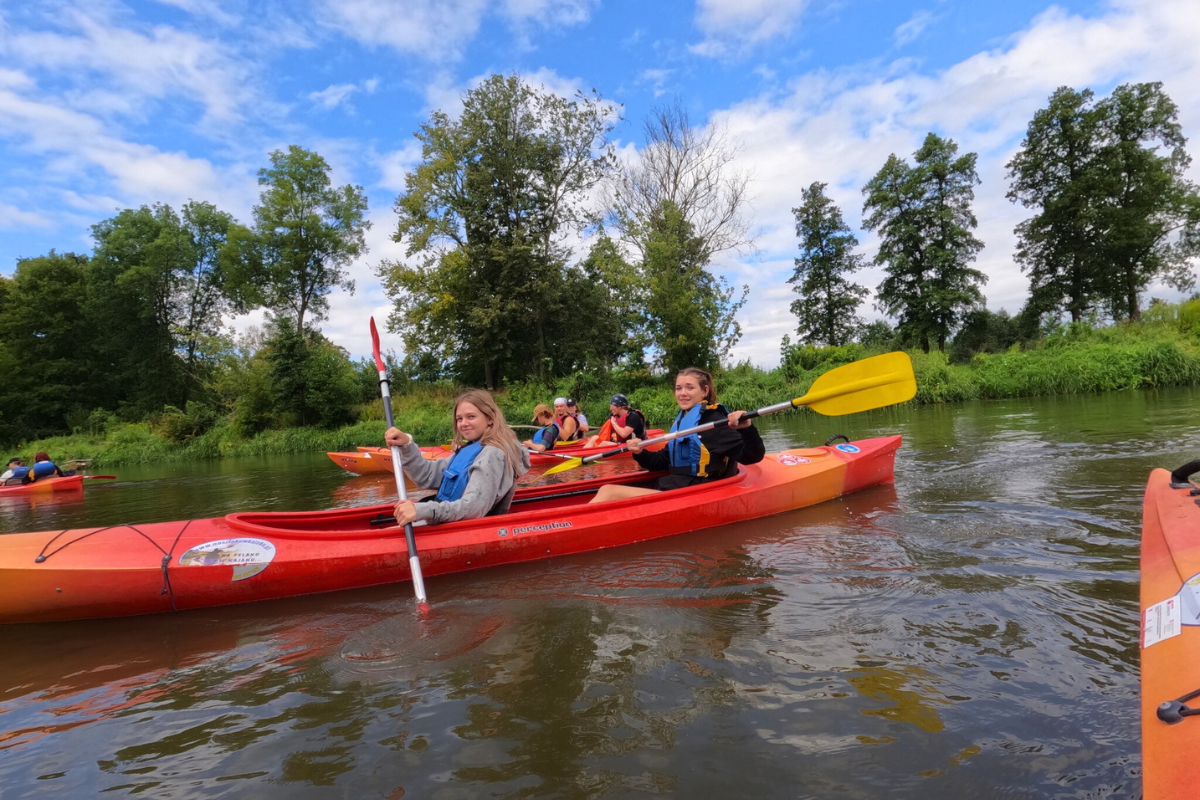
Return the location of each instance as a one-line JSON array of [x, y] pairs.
[[106, 105]]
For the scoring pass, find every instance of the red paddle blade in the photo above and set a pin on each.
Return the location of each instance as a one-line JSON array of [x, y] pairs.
[[375, 345]]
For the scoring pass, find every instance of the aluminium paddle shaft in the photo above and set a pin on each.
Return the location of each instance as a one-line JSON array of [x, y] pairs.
[[414, 560]]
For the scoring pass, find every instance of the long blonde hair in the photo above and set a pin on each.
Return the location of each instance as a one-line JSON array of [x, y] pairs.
[[498, 435]]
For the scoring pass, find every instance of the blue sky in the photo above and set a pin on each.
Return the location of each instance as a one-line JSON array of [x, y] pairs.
[[106, 105]]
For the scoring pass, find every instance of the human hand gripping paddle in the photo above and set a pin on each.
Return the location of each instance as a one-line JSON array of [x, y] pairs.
[[414, 560], [859, 386]]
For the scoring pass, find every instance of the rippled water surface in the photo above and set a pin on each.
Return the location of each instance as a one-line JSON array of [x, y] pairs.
[[970, 632]]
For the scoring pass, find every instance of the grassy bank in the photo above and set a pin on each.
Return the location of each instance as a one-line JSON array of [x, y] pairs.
[[1075, 361]]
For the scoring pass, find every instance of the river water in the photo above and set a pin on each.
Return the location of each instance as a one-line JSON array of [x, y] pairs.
[[970, 632]]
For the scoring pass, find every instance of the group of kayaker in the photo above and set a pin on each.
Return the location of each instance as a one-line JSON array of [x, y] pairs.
[[481, 476], [19, 473]]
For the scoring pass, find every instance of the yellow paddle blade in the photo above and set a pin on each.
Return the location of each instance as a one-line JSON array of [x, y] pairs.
[[862, 385], [564, 466]]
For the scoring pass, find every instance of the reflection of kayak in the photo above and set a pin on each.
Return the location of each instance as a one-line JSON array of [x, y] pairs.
[[1170, 599], [261, 555], [71, 483]]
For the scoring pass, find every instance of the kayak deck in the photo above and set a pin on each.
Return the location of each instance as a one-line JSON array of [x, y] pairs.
[[70, 483], [123, 570]]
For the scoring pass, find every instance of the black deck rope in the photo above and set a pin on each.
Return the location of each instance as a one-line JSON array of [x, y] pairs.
[[1174, 711], [835, 437], [167, 589]]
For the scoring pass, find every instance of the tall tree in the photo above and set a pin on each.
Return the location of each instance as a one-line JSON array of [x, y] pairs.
[[692, 314], [308, 231], [1150, 216], [1055, 172], [485, 214], [679, 204], [46, 351], [828, 304], [924, 219]]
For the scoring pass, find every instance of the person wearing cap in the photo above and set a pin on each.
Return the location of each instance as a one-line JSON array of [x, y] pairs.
[[573, 408], [544, 439], [568, 426], [627, 423], [17, 473]]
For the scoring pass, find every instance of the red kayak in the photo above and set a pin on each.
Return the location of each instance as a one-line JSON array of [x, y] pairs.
[[1170, 640], [123, 570], [71, 483]]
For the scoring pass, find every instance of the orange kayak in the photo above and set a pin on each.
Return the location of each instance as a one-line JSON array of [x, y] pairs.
[[123, 570], [71, 483], [1170, 637]]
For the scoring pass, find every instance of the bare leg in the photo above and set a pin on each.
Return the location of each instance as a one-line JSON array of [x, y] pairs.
[[610, 492]]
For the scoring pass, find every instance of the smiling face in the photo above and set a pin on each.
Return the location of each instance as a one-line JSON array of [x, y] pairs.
[[689, 391], [470, 421], [560, 409]]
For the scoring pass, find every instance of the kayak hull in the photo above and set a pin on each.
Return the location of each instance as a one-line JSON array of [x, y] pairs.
[[1170, 639], [71, 483], [125, 570]]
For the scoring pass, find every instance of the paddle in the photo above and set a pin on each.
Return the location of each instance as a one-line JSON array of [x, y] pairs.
[[99, 477], [414, 560], [859, 386]]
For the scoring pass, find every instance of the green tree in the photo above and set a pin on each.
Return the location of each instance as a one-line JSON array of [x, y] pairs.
[[692, 315], [132, 292], [484, 215], [308, 231], [1055, 172], [46, 354], [827, 308], [924, 219], [1150, 213]]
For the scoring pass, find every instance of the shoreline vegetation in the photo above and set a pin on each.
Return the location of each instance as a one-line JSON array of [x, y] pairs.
[[1161, 351]]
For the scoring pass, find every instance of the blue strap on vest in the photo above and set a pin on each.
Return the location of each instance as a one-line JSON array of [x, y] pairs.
[[688, 455], [43, 469], [454, 479]]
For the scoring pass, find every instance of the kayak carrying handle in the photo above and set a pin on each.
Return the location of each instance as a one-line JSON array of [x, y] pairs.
[[1174, 711], [1179, 477]]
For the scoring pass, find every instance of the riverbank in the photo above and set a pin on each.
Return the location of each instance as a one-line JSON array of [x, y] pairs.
[[1078, 362]]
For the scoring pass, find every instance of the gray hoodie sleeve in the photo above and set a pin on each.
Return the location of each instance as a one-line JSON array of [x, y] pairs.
[[424, 473], [490, 483]]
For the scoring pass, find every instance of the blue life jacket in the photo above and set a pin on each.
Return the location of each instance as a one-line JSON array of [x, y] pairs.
[[454, 479], [688, 454], [43, 469], [20, 473], [547, 436]]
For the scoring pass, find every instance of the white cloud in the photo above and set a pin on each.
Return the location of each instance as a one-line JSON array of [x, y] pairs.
[[915, 26], [395, 166], [732, 27], [211, 9], [656, 79], [160, 62], [839, 127], [333, 96], [14, 219]]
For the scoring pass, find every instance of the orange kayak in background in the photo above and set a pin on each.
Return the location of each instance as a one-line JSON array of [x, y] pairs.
[[1170, 636], [71, 483], [121, 570]]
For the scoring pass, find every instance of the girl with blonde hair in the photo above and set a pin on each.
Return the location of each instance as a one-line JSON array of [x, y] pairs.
[[481, 476]]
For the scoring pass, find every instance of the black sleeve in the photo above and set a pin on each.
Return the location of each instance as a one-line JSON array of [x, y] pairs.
[[653, 461], [722, 441], [753, 449]]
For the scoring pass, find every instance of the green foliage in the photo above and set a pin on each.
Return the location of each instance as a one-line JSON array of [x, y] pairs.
[[491, 296], [924, 219], [691, 313], [1114, 211], [984, 331], [827, 308], [307, 230]]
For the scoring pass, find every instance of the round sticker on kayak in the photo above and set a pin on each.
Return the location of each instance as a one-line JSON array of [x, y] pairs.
[[847, 448], [789, 460], [248, 557]]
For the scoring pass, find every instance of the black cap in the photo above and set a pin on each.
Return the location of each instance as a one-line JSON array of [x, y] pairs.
[[18, 458], [571, 402], [619, 400]]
